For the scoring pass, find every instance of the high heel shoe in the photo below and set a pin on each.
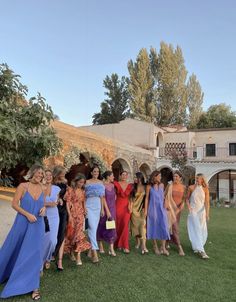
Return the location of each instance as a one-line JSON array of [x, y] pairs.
[[126, 251], [113, 254], [157, 251], [60, 269], [165, 252], [181, 251]]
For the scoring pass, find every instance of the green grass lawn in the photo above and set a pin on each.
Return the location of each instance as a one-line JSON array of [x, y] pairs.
[[147, 278]]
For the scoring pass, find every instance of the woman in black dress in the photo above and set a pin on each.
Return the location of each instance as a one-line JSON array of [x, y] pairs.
[[60, 181]]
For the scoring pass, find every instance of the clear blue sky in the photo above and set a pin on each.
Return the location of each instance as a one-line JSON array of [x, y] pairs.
[[65, 48]]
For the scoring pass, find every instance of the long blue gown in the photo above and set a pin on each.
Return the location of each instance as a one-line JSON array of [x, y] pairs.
[[157, 222], [21, 253], [94, 192], [50, 238]]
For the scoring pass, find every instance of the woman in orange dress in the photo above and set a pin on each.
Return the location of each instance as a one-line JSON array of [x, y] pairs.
[[76, 241], [175, 195], [123, 206]]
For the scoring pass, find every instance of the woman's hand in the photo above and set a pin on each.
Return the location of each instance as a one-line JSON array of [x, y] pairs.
[[145, 213], [102, 212], [42, 211], [60, 202], [31, 218], [108, 215]]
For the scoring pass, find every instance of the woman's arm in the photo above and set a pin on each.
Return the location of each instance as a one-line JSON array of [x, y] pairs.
[[189, 192], [20, 191], [67, 198], [147, 200], [207, 203], [102, 205], [105, 206]]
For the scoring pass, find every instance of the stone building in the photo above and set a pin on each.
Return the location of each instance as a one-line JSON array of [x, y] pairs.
[[82, 148], [209, 151]]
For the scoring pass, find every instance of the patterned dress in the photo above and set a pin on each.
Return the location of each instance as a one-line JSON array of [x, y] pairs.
[[76, 240]]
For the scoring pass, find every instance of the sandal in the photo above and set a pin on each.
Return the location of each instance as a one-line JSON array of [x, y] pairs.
[[181, 251], [113, 254], [126, 251], [204, 255], [60, 269], [36, 295], [47, 265], [157, 251], [165, 252]]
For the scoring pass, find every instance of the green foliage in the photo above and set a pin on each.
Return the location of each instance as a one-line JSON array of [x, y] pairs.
[[25, 132], [97, 160], [114, 108], [217, 116], [194, 101], [72, 157], [170, 77], [142, 102], [179, 160]]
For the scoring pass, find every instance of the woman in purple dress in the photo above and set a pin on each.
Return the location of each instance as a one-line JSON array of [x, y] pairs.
[[157, 222], [103, 234]]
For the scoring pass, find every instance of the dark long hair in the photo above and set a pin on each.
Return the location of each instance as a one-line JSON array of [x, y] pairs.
[[91, 170], [107, 174], [139, 176], [153, 175]]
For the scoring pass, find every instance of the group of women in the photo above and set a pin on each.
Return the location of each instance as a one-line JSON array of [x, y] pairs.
[[52, 218]]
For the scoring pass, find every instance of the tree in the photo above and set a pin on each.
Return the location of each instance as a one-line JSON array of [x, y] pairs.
[[170, 89], [142, 102], [115, 108], [25, 132], [217, 116], [194, 101]]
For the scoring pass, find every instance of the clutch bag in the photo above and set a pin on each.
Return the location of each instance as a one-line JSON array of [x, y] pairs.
[[110, 224]]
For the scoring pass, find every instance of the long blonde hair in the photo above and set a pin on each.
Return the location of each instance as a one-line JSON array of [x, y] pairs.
[[32, 171], [56, 172], [204, 182]]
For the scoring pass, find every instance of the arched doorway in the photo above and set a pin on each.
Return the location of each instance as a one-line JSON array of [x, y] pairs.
[[159, 144], [145, 169], [222, 187], [120, 165], [166, 175]]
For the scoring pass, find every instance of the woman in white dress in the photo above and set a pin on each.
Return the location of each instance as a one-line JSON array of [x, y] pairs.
[[198, 205]]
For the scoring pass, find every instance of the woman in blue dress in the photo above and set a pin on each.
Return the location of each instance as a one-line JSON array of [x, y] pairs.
[[157, 222], [21, 253], [50, 238], [95, 192]]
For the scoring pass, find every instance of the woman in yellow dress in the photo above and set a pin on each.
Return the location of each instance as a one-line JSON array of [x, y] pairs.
[[138, 221]]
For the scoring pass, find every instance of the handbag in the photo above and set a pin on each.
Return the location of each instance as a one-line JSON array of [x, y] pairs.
[[110, 224], [86, 224], [46, 223]]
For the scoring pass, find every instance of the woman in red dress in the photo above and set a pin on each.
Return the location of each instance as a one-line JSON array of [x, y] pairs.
[[123, 209]]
